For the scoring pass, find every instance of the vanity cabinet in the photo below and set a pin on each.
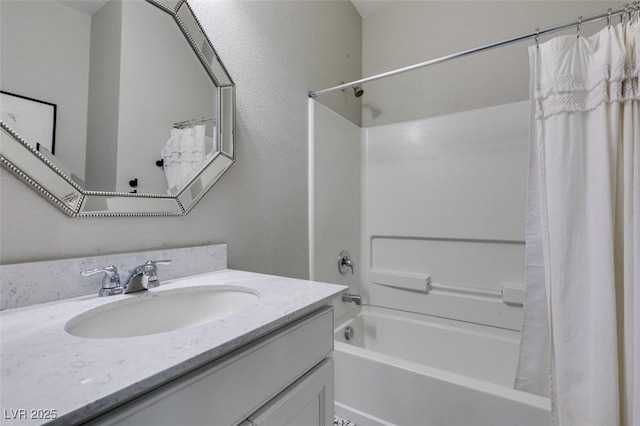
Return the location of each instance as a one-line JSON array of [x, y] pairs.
[[283, 378]]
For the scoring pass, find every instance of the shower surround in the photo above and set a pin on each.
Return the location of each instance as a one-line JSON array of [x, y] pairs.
[[440, 226]]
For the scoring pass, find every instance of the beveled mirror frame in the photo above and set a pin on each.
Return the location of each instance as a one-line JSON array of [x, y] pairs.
[[24, 161]]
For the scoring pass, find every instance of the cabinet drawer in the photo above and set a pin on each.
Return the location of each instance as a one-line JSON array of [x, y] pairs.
[[307, 402], [228, 390]]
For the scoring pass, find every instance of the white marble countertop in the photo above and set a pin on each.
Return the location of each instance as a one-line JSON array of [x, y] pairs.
[[45, 368]]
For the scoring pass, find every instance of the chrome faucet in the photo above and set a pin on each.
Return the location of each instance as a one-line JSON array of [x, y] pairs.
[[355, 298], [140, 278], [143, 277]]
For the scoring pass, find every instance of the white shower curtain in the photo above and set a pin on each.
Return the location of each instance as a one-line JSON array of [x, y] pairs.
[[183, 155], [581, 331]]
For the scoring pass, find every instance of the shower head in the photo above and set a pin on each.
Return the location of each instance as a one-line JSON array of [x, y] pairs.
[[357, 90]]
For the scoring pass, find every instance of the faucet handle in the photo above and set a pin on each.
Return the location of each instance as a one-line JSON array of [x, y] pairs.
[[344, 262], [150, 270], [109, 270], [110, 280]]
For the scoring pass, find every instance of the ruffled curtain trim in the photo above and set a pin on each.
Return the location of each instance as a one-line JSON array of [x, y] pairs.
[[614, 80]]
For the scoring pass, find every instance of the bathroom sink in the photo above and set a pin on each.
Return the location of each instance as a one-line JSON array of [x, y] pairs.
[[160, 311]]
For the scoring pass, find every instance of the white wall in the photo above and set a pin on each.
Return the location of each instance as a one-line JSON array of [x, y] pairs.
[[409, 32], [335, 169], [36, 35], [275, 53], [444, 197]]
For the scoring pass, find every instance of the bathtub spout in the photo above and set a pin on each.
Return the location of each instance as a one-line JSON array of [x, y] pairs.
[[355, 298]]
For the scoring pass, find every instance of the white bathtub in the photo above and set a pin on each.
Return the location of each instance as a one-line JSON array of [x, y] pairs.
[[407, 369]]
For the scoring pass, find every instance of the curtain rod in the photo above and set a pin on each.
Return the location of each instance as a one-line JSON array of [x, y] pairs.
[[627, 9], [188, 123]]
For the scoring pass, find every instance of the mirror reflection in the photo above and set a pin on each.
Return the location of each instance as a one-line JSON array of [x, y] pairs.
[[122, 102]]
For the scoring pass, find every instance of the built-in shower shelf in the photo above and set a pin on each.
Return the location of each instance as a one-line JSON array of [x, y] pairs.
[[509, 293], [513, 294], [403, 280]]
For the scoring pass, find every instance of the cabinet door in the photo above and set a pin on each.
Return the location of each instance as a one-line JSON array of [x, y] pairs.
[[308, 402]]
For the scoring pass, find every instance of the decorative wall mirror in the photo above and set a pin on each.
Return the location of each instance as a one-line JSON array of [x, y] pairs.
[[113, 107]]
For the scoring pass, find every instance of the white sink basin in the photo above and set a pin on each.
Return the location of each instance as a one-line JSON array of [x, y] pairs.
[[161, 311]]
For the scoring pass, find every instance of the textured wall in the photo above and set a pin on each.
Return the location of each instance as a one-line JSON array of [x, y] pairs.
[[414, 31], [275, 52]]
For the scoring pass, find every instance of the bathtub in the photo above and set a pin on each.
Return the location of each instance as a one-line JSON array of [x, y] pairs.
[[407, 369]]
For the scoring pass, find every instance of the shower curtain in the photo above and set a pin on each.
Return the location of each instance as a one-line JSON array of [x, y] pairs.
[[581, 330], [183, 155]]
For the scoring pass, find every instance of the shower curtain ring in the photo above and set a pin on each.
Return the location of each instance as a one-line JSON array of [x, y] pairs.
[[537, 37], [624, 14], [579, 26], [609, 18]]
